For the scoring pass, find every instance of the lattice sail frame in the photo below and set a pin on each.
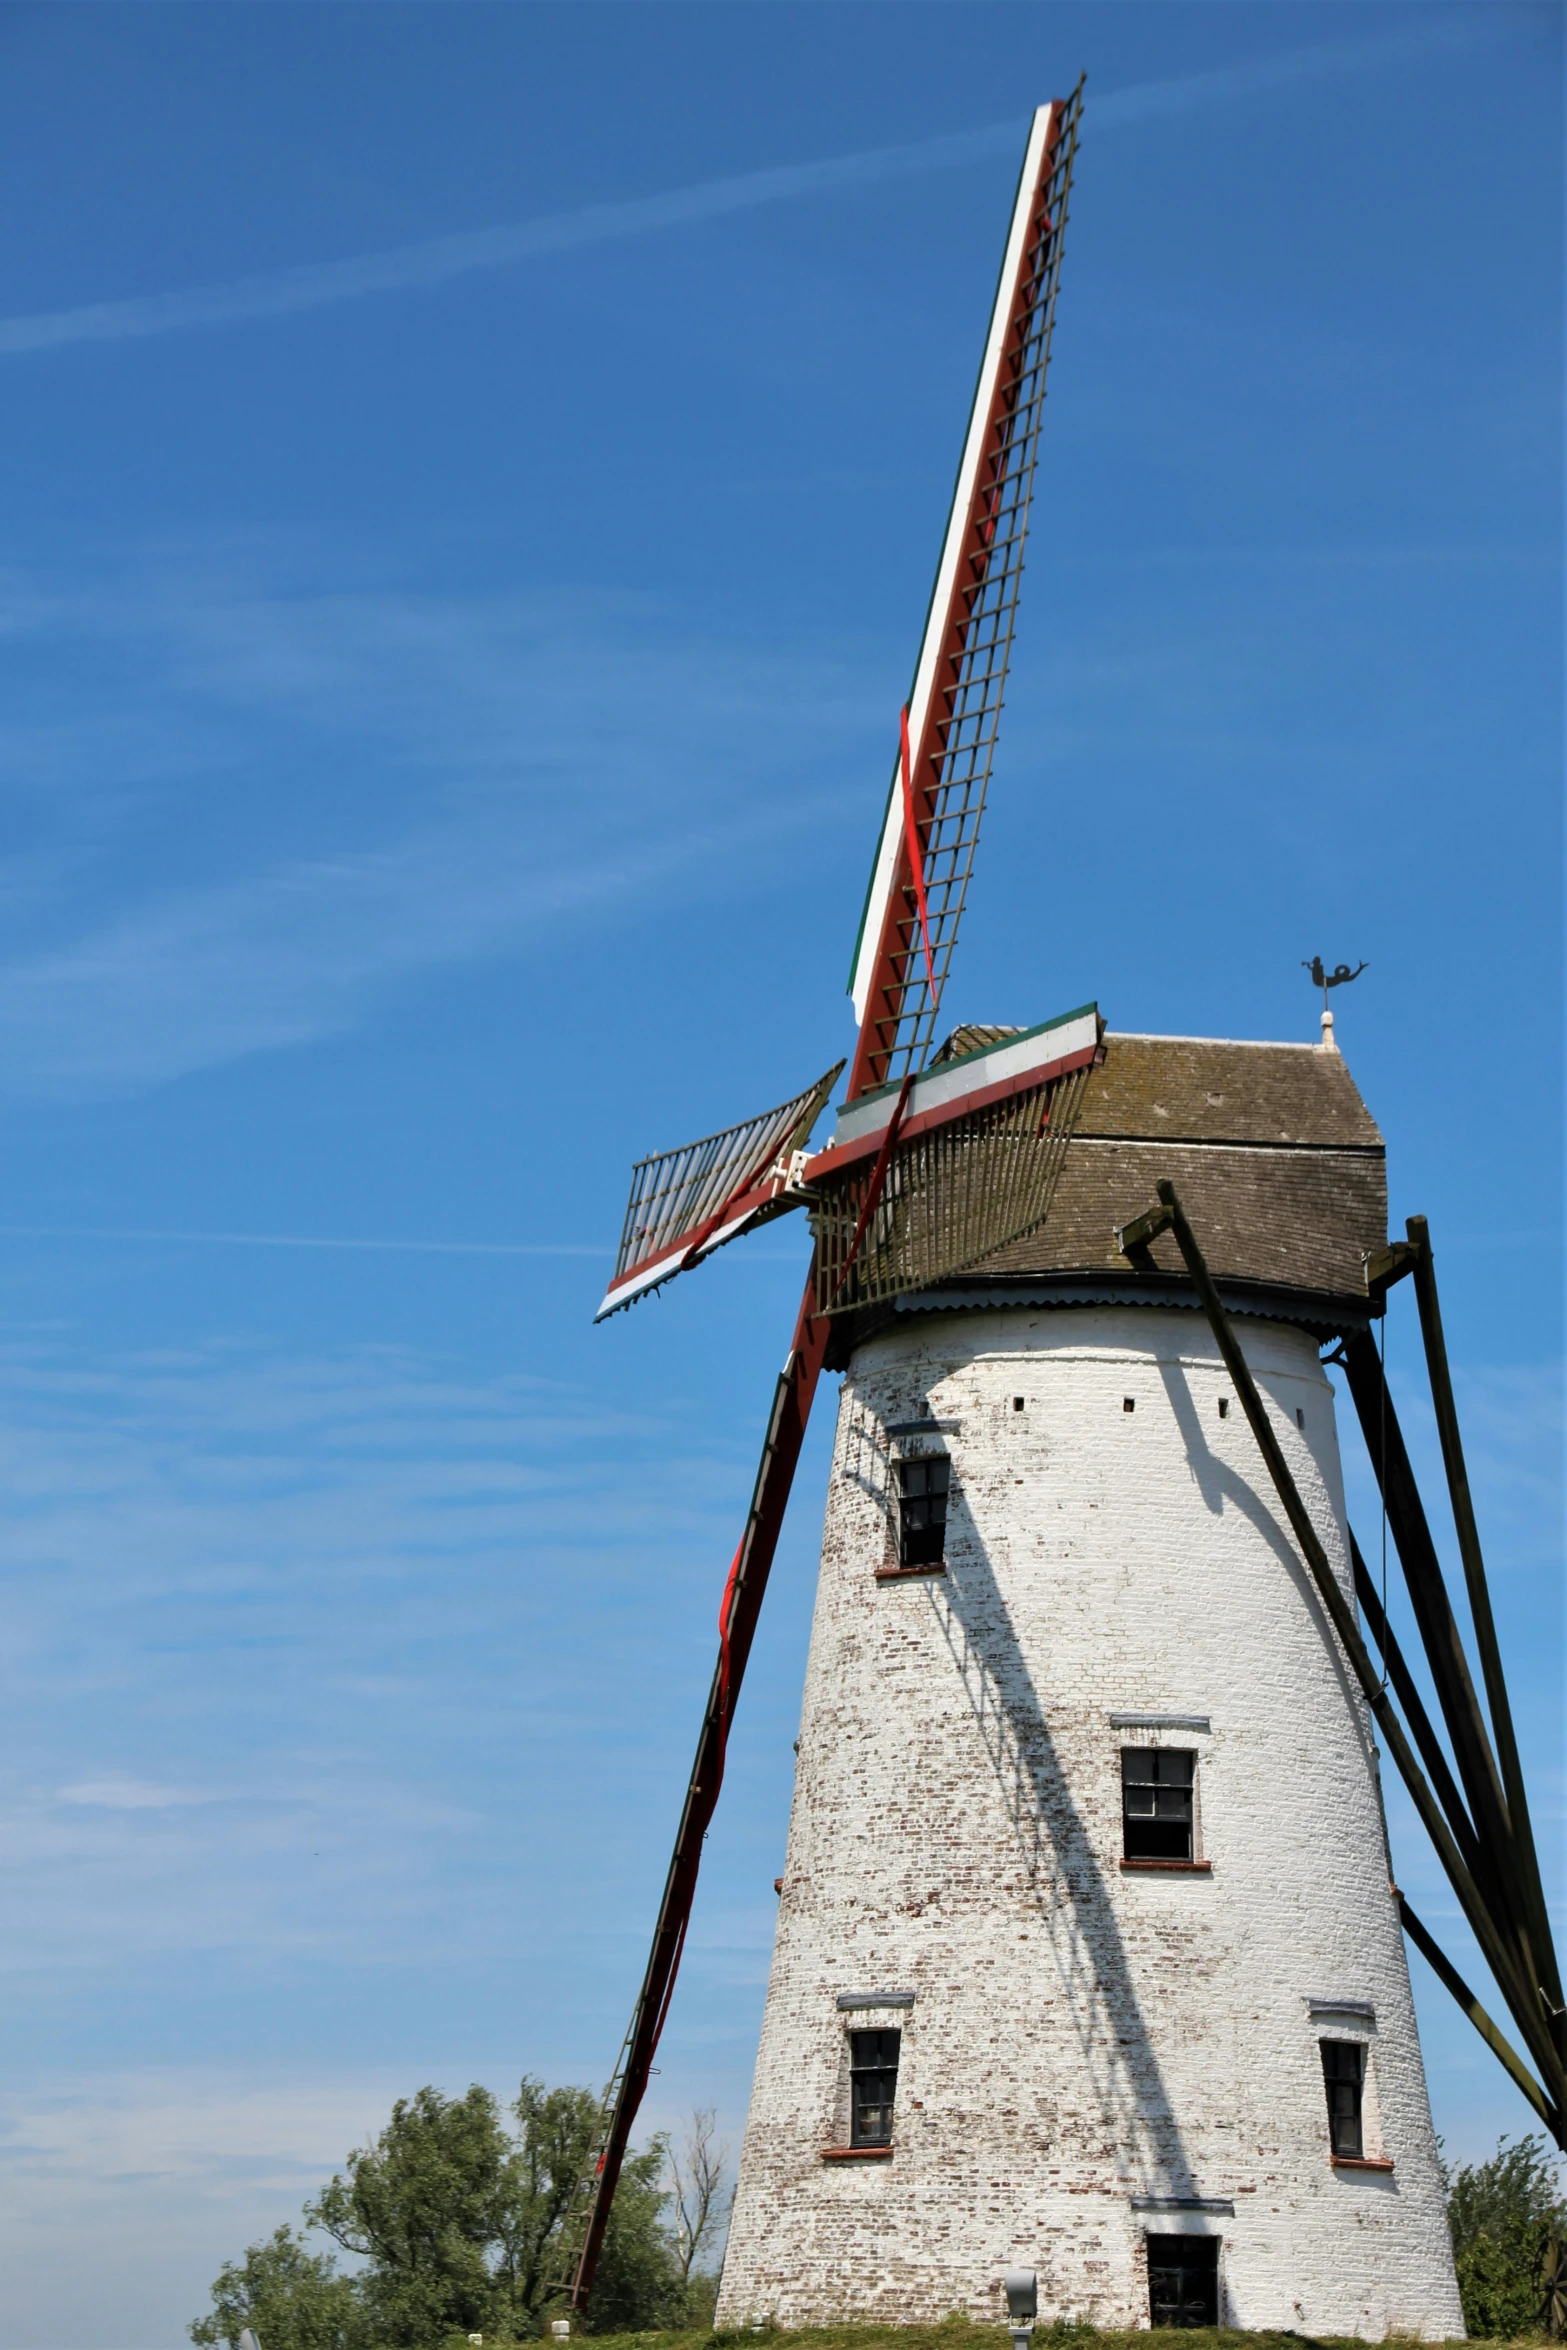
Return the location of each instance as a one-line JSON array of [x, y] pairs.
[[955, 704], [950, 1197], [678, 1197]]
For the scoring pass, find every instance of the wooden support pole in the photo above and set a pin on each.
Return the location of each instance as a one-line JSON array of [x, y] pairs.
[[1522, 1995], [1496, 2040], [1536, 1915], [1419, 1721], [1440, 1636]]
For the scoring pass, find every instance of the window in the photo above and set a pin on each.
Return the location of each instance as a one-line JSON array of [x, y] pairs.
[[1183, 2280], [873, 2084], [1344, 2076], [1156, 1802], [922, 1510]]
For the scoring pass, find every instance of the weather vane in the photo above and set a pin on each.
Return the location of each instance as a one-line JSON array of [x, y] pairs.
[[1322, 977]]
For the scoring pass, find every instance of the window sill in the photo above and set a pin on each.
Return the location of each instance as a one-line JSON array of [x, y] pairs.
[[906, 1574], [1179, 1868], [1361, 2161], [856, 2154]]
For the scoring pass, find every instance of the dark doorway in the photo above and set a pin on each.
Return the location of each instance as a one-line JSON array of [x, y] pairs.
[[1183, 2280]]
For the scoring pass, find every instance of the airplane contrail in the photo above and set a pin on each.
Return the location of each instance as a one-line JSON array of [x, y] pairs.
[[318, 284], [435, 1248]]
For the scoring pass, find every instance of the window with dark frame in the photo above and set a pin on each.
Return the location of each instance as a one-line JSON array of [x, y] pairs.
[[1344, 2077], [873, 2086], [1183, 2280], [1156, 1802], [923, 1486]]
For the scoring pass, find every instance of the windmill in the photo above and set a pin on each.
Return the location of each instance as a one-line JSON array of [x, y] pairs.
[[1055, 1604]]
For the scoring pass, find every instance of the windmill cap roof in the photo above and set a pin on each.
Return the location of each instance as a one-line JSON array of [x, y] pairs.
[[1277, 1160], [1214, 1089]]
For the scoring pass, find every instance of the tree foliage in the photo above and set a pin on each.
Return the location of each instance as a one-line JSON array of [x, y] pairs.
[[290, 2297], [424, 2207], [1503, 2215], [454, 2218]]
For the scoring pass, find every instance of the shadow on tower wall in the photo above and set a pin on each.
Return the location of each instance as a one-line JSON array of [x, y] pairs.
[[1218, 1483], [1125, 2118]]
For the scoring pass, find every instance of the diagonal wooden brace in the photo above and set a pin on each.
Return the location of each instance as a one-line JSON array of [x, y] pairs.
[[1522, 1996]]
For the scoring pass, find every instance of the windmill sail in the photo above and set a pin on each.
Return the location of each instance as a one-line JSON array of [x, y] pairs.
[[978, 1150], [685, 1203], [955, 702]]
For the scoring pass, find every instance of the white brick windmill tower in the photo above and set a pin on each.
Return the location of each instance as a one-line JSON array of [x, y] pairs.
[[1088, 1961], [1086, 1878]]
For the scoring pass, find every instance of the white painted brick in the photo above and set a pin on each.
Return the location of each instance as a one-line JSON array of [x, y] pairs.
[[1081, 2036]]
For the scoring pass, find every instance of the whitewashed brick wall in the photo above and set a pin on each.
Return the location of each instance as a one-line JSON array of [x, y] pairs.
[[1082, 2037]]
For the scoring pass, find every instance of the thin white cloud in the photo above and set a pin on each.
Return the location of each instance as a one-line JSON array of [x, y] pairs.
[[534, 765], [205, 976], [1451, 30], [133, 1795], [435, 260]]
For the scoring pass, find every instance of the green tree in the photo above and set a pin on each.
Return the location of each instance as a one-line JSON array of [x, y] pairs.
[[457, 2221], [557, 2129], [291, 2298], [424, 2207], [1501, 2214], [637, 2286]]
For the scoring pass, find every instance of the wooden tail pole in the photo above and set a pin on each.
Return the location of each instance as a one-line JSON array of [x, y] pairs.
[[1518, 1986]]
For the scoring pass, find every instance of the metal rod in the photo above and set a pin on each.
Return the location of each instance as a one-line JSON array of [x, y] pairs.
[[1495, 1679], [1521, 1995], [1495, 2039]]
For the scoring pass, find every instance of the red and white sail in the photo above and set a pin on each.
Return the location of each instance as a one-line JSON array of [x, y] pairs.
[[685, 1203], [1019, 1063], [920, 878]]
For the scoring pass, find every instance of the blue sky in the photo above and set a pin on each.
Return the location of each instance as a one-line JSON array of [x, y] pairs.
[[473, 477]]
